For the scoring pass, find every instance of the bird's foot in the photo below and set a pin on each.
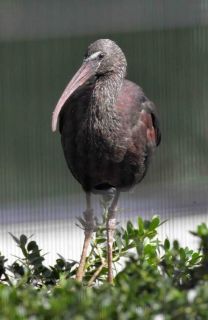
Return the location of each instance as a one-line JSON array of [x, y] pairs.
[[110, 226], [88, 221], [112, 214], [88, 224]]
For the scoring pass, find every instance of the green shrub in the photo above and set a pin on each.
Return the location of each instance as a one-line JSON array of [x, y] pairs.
[[153, 279]]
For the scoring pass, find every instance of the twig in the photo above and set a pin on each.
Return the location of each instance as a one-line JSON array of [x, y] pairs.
[[96, 274], [7, 279]]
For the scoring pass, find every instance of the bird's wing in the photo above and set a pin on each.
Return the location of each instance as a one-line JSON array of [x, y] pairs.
[[139, 113], [148, 116]]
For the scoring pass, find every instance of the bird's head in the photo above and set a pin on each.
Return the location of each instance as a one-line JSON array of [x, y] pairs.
[[107, 57], [103, 57]]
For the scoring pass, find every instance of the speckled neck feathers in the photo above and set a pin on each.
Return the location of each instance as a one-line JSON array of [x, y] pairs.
[[103, 121], [103, 97]]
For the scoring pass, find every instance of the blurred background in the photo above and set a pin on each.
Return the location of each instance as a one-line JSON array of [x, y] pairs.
[[42, 44]]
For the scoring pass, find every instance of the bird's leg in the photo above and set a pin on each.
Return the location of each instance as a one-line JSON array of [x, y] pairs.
[[110, 226], [89, 226]]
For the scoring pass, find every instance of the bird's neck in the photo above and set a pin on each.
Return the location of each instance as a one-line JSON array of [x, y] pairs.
[[104, 123], [104, 96]]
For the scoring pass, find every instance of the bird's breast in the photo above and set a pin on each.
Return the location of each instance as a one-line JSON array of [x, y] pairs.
[[101, 139]]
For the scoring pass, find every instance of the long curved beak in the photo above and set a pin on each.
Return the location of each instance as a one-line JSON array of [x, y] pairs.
[[86, 71]]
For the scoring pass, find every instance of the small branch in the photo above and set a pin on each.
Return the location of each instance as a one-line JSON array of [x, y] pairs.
[[111, 224], [7, 279], [96, 274]]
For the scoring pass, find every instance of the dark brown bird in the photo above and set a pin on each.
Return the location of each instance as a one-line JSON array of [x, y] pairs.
[[109, 130]]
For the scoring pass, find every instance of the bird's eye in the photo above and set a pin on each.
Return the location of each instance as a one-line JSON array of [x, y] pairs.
[[101, 55], [94, 56]]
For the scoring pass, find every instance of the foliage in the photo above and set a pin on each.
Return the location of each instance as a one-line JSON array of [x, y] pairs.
[[153, 279]]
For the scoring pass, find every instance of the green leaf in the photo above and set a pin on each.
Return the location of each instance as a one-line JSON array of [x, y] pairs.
[[23, 240], [175, 244], [36, 260], [118, 243], [146, 224], [202, 230], [32, 246], [154, 223], [140, 224], [16, 268], [149, 249], [195, 258], [130, 227], [166, 244], [100, 240], [15, 238], [182, 254]]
